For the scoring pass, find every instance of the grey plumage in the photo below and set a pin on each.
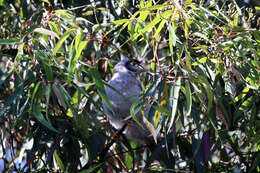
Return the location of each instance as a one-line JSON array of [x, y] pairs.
[[125, 80]]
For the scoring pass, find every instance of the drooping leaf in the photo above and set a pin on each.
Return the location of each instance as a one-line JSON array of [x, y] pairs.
[[151, 128], [100, 87], [177, 87], [134, 109], [188, 98], [59, 161], [172, 38]]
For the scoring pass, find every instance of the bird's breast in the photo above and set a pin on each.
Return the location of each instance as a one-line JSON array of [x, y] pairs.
[[127, 92]]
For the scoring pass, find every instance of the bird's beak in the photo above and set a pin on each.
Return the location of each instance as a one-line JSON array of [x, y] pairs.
[[144, 67]]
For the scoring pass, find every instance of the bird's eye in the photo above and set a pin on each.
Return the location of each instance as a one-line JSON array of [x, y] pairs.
[[133, 65], [134, 62]]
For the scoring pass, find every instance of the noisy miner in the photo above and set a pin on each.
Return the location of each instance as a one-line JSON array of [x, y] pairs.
[[124, 91]]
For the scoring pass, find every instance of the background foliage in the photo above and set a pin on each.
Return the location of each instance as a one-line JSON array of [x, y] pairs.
[[203, 84]]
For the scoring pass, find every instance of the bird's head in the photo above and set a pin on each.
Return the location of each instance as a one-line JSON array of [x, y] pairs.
[[132, 66]]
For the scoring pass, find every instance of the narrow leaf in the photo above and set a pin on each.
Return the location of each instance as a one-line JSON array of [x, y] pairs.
[[135, 108], [59, 161], [155, 7], [100, 87], [188, 98], [62, 39], [38, 115], [198, 155], [165, 16], [121, 21], [11, 99], [150, 128], [151, 25], [172, 38], [162, 110], [46, 32], [10, 41], [176, 88], [59, 96]]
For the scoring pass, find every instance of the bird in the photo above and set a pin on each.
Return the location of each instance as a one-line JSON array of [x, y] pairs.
[[124, 91]]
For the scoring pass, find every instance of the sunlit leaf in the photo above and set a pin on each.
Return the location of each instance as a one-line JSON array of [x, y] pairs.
[[46, 32], [59, 161], [121, 21], [162, 110], [165, 16], [155, 7], [172, 38], [176, 90], [150, 128], [62, 39]]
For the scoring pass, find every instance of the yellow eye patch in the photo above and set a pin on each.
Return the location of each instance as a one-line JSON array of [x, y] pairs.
[[134, 62]]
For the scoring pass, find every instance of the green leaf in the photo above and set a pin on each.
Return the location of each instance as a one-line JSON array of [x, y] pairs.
[[59, 161], [131, 28], [59, 96], [165, 16], [54, 26], [38, 115], [209, 93], [188, 98], [150, 128], [155, 7], [151, 25], [177, 87], [36, 107], [11, 99], [257, 8], [92, 169], [162, 109], [242, 95], [203, 36], [256, 163], [47, 94], [4, 76], [121, 21], [135, 108], [100, 86], [172, 38], [47, 1], [73, 61], [188, 60], [62, 39], [158, 30], [198, 154], [187, 27], [65, 96], [78, 38], [10, 41], [144, 13], [235, 22]]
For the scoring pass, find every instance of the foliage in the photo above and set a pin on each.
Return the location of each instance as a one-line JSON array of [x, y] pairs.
[[203, 84]]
